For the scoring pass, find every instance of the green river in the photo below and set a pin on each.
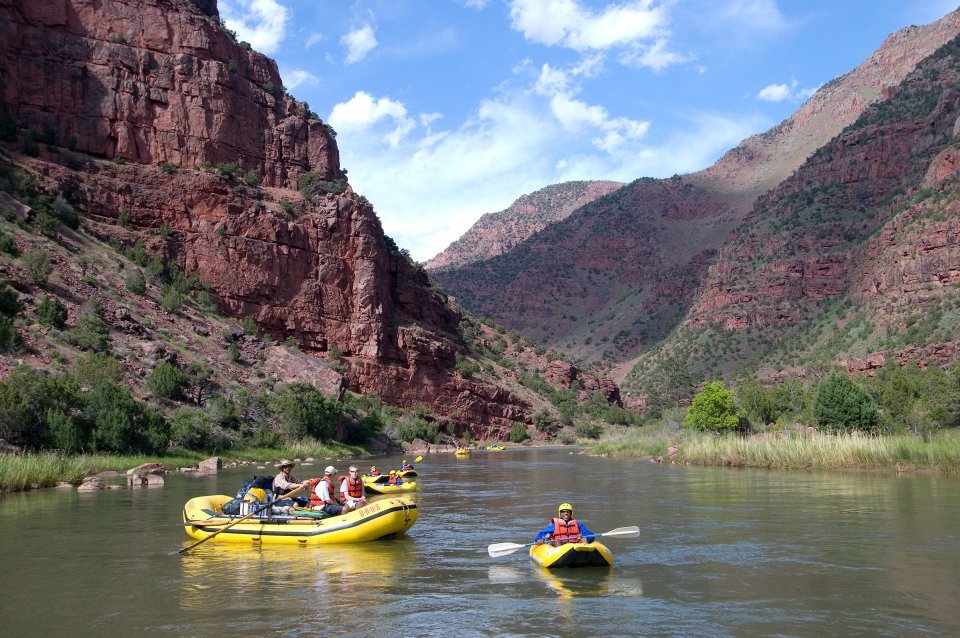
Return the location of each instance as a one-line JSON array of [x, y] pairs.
[[721, 552]]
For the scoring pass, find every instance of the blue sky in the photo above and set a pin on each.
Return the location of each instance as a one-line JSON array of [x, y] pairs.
[[448, 109]]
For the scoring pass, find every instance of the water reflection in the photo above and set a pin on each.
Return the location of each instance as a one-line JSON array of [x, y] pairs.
[[587, 582]]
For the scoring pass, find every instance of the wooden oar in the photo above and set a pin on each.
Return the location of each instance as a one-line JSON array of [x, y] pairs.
[[502, 549], [240, 520]]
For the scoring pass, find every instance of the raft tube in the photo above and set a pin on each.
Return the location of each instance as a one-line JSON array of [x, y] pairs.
[[387, 517], [386, 488], [572, 555]]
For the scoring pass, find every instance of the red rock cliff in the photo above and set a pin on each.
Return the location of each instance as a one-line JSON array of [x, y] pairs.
[[160, 84]]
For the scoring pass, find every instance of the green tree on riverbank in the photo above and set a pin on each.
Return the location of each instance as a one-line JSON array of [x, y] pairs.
[[841, 405], [712, 410]]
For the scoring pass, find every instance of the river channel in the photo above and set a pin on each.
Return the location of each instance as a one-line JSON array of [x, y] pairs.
[[721, 552]]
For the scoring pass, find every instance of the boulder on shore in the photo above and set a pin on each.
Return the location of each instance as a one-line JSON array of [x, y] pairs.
[[212, 465], [90, 484]]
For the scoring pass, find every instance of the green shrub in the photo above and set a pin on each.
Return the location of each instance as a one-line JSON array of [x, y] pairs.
[[167, 381], [712, 410], [9, 301], [414, 427], [172, 299], [135, 282], [190, 428], [8, 245], [588, 430], [37, 264], [543, 420], [227, 171], [304, 411], [94, 368], [51, 312], [842, 405], [10, 339], [252, 178], [66, 432], [518, 432], [91, 332], [465, 367]]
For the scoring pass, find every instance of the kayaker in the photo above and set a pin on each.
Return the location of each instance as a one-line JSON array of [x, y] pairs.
[[394, 478], [285, 482], [405, 466], [351, 489], [324, 495], [565, 529], [373, 471]]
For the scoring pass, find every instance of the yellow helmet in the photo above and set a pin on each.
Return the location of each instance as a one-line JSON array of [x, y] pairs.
[[393, 471], [565, 506]]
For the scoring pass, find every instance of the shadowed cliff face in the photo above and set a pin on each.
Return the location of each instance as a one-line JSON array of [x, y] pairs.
[[160, 85], [620, 273]]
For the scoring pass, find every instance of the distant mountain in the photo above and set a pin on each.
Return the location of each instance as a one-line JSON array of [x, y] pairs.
[[620, 274], [497, 233]]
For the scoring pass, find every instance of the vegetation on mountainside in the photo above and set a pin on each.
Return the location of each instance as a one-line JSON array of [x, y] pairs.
[[822, 217]]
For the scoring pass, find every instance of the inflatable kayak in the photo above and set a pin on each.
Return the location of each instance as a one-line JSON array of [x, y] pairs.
[[462, 452], [202, 518], [406, 473], [572, 555], [496, 448], [386, 488]]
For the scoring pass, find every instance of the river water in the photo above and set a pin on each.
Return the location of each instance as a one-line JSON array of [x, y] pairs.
[[722, 552]]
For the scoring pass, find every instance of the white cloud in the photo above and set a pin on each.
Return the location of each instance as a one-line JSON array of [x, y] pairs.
[[361, 113], [753, 15], [359, 43], [655, 56], [781, 92], [568, 23], [432, 185], [262, 23], [295, 78], [315, 38], [476, 4]]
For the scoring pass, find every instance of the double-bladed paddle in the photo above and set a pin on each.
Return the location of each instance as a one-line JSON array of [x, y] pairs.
[[503, 549]]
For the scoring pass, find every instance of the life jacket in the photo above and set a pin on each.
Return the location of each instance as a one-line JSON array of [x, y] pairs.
[[395, 480], [332, 490], [405, 467], [354, 487], [314, 497], [565, 531], [377, 473]]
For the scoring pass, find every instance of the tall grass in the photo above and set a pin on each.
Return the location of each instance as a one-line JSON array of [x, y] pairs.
[[797, 449], [46, 469]]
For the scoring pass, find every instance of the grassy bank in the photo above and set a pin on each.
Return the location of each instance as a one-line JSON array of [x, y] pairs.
[[797, 449], [46, 469]]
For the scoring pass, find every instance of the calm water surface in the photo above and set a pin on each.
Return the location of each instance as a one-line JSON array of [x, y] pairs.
[[721, 553]]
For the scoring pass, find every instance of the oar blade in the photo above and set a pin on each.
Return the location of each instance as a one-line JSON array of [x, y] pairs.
[[623, 532], [418, 459], [502, 549]]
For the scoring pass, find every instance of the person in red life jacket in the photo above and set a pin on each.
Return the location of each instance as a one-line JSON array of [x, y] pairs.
[[373, 471], [351, 489], [324, 494], [404, 466], [565, 529], [394, 478]]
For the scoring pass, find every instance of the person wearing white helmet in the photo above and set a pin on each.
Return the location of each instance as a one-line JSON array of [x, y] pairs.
[[324, 495], [565, 529]]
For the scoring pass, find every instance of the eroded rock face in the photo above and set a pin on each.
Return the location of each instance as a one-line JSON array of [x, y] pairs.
[[161, 85], [155, 81]]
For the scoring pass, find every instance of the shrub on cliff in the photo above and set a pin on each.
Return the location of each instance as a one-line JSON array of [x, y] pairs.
[[37, 265], [167, 381], [409, 428], [518, 432], [9, 303], [51, 312], [135, 282]]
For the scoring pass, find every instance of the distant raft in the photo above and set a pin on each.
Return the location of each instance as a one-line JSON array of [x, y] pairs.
[[462, 452], [202, 518], [386, 488], [496, 448], [572, 555]]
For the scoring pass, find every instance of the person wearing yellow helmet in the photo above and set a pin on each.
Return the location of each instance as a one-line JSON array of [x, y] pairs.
[[373, 471], [565, 529]]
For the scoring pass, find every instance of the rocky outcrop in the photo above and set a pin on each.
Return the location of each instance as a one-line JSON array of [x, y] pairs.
[[288, 366], [155, 81]]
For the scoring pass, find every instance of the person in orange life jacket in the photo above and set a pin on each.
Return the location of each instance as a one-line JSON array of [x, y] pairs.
[[394, 478], [405, 466], [351, 489], [565, 529], [373, 471], [324, 494]]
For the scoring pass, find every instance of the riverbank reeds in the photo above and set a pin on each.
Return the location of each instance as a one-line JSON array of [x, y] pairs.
[[46, 469], [791, 449]]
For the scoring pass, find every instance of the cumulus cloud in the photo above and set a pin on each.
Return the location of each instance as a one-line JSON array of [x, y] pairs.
[[295, 78], [359, 43], [315, 38], [752, 15], [362, 112], [781, 92], [568, 23], [429, 183], [262, 23]]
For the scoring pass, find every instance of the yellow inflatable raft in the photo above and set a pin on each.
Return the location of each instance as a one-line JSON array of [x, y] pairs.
[[385, 488], [572, 555], [387, 517], [496, 448], [462, 452], [406, 473]]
